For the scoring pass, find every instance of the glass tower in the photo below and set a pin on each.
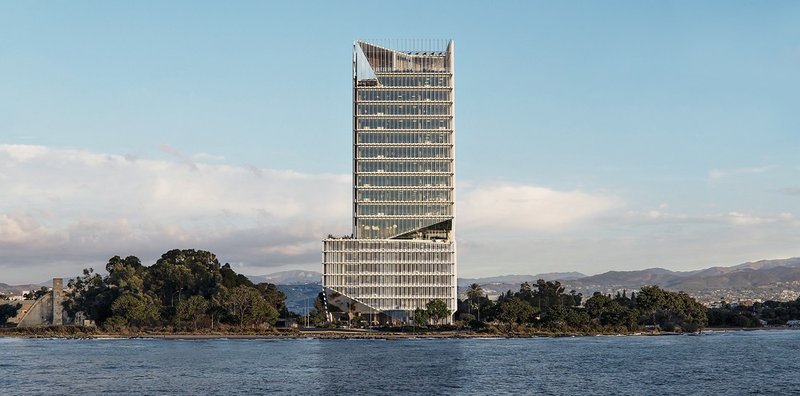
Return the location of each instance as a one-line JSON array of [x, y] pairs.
[[402, 251]]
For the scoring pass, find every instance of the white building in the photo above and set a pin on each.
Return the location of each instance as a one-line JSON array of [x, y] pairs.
[[402, 253]]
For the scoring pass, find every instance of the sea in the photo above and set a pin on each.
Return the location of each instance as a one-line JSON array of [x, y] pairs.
[[714, 363]]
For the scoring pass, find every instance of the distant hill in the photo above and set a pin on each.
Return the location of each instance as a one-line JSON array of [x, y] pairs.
[[631, 279], [296, 277], [742, 276], [738, 279], [519, 279], [300, 298], [10, 290]]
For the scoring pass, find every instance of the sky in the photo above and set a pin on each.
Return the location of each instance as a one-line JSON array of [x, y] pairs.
[[591, 136]]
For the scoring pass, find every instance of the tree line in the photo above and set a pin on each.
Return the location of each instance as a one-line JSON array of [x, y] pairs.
[[546, 306], [184, 289], [756, 315]]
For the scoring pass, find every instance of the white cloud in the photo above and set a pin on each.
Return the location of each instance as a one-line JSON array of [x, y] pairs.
[[76, 208], [514, 207], [746, 219], [21, 152], [208, 157], [721, 173], [62, 210]]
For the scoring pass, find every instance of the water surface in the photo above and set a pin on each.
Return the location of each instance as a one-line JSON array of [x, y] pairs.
[[753, 362]]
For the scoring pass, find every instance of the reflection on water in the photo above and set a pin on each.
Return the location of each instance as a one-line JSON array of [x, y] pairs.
[[758, 362]]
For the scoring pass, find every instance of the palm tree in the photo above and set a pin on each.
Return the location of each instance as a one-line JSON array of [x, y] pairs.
[[474, 295]]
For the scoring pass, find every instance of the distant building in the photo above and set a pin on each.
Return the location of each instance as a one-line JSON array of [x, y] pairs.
[[402, 252], [45, 311]]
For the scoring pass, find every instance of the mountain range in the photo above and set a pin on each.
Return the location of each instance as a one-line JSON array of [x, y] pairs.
[[747, 275], [774, 276], [294, 277]]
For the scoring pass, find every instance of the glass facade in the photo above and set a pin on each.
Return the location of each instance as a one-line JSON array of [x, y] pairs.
[[402, 251]]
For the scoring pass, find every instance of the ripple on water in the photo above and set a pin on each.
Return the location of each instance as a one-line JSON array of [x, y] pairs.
[[713, 365]]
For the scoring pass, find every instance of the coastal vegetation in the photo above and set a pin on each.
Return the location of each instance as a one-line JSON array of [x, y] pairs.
[[755, 315], [8, 311], [546, 306], [190, 291], [184, 289]]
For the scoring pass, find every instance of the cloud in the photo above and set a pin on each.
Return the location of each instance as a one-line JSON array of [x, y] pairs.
[[746, 219], [62, 210], [722, 173], [651, 217], [179, 155], [67, 209], [514, 207], [207, 157]]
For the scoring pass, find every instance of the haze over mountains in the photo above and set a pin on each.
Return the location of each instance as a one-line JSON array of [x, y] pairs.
[[750, 274], [294, 277]]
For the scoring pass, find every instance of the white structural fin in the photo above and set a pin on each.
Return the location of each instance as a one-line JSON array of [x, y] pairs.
[[364, 70]]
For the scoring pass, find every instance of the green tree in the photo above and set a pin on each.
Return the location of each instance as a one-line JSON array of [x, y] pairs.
[[247, 306], [180, 273], [596, 305], [515, 310], [475, 292], [475, 297], [615, 314], [136, 310], [317, 314], [274, 297], [91, 295], [560, 316], [36, 294], [216, 307], [262, 312], [420, 317], [231, 279], [125, 274], [192, 309], [649, 300], [437, 310], [8, 311]]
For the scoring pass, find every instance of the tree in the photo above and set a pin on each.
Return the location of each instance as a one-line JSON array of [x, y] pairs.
[[475, 295], [8, 311], [562, 315], [515, 310], [262, 312], [91, 295], [192, 309], [184, 272], [475, 292], [136, 310], [420, 317], [596, 305], [273, 296], [615, 314], [36, 294], [125, 274], [171, 285], [216, 308], [247, 306], [317, 314], [437, 310], [649, 300]]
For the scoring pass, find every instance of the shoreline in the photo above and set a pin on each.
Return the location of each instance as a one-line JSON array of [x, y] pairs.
[[338, 334]]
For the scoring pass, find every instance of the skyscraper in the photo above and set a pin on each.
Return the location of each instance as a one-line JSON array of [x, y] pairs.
[[402, 252]]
